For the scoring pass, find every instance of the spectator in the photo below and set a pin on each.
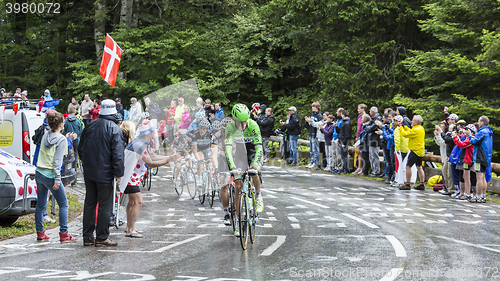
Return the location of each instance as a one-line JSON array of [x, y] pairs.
[[119, 107], [439, 132], [199, 108], [344, 139], [416, 144], [365, 145], [73, 125], [208, 108], [102, 153], [336, 156], [321, 141], [46, 97], [406, 121], [2, 92], [327, 131], [388, 135], [374, 141], [139, 145], [170, 113], [483, 152], [361, 111], [293, 128], [219, 112], [85, 107], [266, 125], [454, 180], [386, 146], [185, 119], [181, 108], [401, 148], [316, 116], [467, 150], [455, 157], [75, 104], [24, 95], [135, 114], [95, 109], [48, 177], [285, 144], [128, 131], [152, 108]]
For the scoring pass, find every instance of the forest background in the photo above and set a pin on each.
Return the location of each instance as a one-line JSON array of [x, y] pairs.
[[422, 54]]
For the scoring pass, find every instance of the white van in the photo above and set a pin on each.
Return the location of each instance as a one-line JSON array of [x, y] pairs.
[[16, 131]]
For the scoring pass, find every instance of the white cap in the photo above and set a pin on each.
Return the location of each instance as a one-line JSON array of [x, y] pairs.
[[292, 108], [108, 107], [47, 91], [199, 99]]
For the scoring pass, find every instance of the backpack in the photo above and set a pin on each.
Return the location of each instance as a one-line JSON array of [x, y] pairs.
[[68, 174], [37, 137]]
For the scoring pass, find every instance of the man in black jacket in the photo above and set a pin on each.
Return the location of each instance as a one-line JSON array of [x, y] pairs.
[[293, 127], [374, 140], [102, 153], [344, 139], [119, 107], [266, 124]]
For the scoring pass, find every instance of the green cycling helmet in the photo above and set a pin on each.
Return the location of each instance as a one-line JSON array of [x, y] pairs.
[[240, 112]]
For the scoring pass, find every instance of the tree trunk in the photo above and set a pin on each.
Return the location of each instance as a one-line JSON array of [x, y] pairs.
[[126, 13], [99, 27], [135, 14]]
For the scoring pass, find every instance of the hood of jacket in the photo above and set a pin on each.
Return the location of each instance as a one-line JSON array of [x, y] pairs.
[[50, 139], [71, 118], [486, 130], [263, 108]]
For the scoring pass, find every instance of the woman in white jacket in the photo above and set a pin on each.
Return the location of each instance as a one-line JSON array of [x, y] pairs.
[[446, 169], [135, 111]]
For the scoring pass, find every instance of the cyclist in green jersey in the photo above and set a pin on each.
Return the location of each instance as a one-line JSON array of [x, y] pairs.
[[244, 133]]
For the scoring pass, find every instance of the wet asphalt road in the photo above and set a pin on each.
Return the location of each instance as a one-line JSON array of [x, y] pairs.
[[315, 226]]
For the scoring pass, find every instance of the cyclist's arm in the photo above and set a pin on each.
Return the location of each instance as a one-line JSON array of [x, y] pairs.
[[195, 151], [257, 141], [228, 141]]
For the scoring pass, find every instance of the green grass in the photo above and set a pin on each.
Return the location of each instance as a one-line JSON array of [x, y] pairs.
[[26, 224]]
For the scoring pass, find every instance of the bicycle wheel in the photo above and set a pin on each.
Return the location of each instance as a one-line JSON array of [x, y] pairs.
[[155, 171], [253, 213], [179, 184], [144, 179], [190, 182], [211, 196], [150, 176], [243, 222]]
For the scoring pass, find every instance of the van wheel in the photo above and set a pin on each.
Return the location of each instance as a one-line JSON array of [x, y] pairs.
[[7, 221]]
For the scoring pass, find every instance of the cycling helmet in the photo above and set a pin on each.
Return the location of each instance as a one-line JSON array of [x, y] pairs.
[[471, 128], [453, 116], [199, 115], [145, 115], [226, 121], [399, 118], [183, 131], [118, 116], [204, 124], [240, 112], [216, 125]]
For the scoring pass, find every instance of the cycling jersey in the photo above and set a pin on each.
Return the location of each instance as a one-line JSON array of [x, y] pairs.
[[248, 140], [141, 147], [202, 142], [182, 147]]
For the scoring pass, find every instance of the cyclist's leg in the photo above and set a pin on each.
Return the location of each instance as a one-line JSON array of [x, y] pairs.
[[237, 184], [200, 163]]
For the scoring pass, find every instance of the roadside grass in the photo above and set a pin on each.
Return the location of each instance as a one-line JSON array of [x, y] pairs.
[[26, 224]]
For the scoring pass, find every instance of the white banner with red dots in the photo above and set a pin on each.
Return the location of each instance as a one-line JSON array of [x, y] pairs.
[[17, 169]]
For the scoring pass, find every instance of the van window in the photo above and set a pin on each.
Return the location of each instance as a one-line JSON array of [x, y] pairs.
[[6, 133]]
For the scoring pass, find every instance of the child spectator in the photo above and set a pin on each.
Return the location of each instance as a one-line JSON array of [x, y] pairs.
[[327, 131], [466, 153]]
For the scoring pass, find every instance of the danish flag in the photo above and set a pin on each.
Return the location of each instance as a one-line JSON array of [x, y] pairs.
[[110, 61]]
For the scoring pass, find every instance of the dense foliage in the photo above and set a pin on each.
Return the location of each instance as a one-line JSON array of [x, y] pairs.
[[423, 54]]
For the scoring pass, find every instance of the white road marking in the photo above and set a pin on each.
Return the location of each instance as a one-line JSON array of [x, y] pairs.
[[398, 247], [297, 207], [469, 222], [294, 219], [270, 196], [271, 207], [268, 219], [393, 274], [266, 225], [339, 224], [469, 244], [270, 214], [371, 225], [163, 249], [279, 241], [295, 226], [273, 192], [312, 203]]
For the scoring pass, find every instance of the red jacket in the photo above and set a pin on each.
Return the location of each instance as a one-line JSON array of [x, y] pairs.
[[467, 150], [95, 112], [170, 115]]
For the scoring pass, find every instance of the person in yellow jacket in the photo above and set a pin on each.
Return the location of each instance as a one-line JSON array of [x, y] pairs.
[[178, 114], [400, 142], [416, 145]]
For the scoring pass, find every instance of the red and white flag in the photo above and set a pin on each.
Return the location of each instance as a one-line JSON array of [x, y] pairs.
[[110, 61]]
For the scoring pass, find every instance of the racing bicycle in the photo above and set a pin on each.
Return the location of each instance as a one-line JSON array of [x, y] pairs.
[[186, 178]]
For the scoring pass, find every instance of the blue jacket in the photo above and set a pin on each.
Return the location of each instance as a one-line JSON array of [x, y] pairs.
[[194, 126], [388, 134], [483, 146], [455, 153], [219, 114], [337, 128]]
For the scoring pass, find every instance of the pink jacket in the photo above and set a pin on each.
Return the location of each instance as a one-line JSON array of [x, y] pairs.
[[186, 119]]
